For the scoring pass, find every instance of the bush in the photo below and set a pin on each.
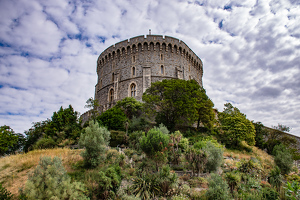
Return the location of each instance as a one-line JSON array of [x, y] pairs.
[[138, 124], [44, 143], [113, 119], [95, 140], [283, 158], [218, 188], [275, 178], [233, 179], [117, 138], [215, 156], [50, 181], [270, 194], [4, 193]]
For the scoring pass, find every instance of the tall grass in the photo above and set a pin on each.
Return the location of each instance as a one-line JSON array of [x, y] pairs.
[[15, 168]]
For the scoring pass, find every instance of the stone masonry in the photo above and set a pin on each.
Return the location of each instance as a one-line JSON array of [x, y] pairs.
[[127, 68]]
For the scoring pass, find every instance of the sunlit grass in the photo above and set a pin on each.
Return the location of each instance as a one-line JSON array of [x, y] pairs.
[[14, 169]]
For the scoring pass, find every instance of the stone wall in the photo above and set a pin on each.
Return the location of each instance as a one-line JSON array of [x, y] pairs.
[[129, 67]]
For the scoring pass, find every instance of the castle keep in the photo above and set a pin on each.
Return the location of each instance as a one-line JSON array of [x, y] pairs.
[[127, 68]]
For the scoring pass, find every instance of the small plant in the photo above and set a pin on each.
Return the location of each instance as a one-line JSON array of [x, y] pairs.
[[275, 178], [233, 179], [218, 188], [293, 190], [4, 193]]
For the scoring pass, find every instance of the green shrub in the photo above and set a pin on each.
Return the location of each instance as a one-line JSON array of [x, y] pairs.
[[4, 193], [215, 156], [113, 119], [117, 138], [218, 188], [233, 179], [275, 178], [293, 190], [269, 194], [145, 186], [249, 166], [139, 124], [44, 143], [283, 158], [50, 181], [134, 139], [95, 139]]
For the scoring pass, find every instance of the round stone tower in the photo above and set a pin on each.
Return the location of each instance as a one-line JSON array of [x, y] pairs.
[[127, 68]]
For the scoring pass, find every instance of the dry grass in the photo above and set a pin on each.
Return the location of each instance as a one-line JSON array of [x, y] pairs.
[[265, 159], [14, 169]]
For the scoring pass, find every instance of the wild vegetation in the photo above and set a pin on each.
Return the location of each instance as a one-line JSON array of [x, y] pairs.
[[150, 151]]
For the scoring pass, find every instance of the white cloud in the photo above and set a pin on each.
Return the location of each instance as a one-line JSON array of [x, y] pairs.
[[49, 49]]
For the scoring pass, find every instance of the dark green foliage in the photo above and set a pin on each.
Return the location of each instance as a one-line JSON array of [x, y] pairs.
[[260, 134], [95, 139], [218, 188], [10, 141], [4, 193], [64, 124], [177, 102], [145, 185], [50, 181], [166, 180], [155, 145], [130, 106], [106, 183], [293, 190], [276, 136], [235, 127], [275, 178], [134, 139], [233, 179], [197, 160], [154, 142], [45, 143], [117, 138], [249, 167], [139, 124], [283, 158], [113, 119], [270, 194]]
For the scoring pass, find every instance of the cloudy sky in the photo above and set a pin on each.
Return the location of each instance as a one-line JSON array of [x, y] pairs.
[[250, 50]]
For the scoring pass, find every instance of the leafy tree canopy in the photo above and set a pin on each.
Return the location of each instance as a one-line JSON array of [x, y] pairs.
[[113, 119], [178, 102], [236, 127], [8, 139], [130, 106]]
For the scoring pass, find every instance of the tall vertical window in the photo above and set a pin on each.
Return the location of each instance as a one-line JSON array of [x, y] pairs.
[[113, 77], [111, 95], [132, 90], [133, 58], [133, 71], [162, 69], [161, 57]]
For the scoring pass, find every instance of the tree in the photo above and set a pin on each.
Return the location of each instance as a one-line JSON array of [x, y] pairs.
[[197, 159], [235, 127], [176, 102], [155, 144], [277, 135], [95, 139], [260, 134], [283, 158], [93, 104], [50, 181], [130, 106], [113, 119], [8, 139]]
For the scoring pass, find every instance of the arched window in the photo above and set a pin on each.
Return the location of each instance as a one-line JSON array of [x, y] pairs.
[[132, 90], [162, 69], [111, 95], [133, 71]]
